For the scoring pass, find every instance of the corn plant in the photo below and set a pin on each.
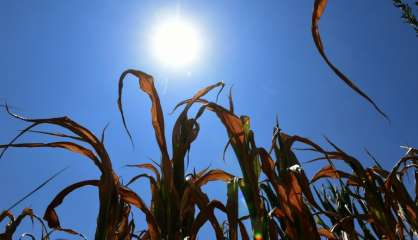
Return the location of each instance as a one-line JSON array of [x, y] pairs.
[[114, 199], [383, 198], [174, 197], [366, 203], [241, 138]]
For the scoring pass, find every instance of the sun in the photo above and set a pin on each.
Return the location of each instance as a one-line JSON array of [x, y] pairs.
[[176, 43]]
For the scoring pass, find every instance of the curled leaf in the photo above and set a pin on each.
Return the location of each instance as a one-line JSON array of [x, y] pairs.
[[51, 215], [319, 8]]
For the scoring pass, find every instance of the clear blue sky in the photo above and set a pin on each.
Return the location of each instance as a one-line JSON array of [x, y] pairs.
[[64, 58]]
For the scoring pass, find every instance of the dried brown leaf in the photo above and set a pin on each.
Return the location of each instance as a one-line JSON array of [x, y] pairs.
[[50, 214], [214, 175], [319, 8], [146, 83], [327, 233], [148, 166], [329, 172], [131, 197]]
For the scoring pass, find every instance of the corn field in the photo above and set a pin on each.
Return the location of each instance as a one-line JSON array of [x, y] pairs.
[[353, 202]]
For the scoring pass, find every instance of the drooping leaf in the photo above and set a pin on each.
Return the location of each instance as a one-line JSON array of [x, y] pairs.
[[66, 123], [329, 172], [146, 84], [243, 230], [50, 214], [214, 175], [204, 215], [131, 197], [148, 166], [319, 8], [66, 145]]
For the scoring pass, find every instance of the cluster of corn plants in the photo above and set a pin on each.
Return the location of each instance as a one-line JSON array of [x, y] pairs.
[[366, 203], [282, 202]]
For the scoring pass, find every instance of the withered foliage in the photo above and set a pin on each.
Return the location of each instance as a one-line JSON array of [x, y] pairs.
[[355, 202], [282, 202], [319, 8]]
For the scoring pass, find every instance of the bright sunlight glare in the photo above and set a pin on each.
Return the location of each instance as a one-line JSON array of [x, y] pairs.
[[176, 43]]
